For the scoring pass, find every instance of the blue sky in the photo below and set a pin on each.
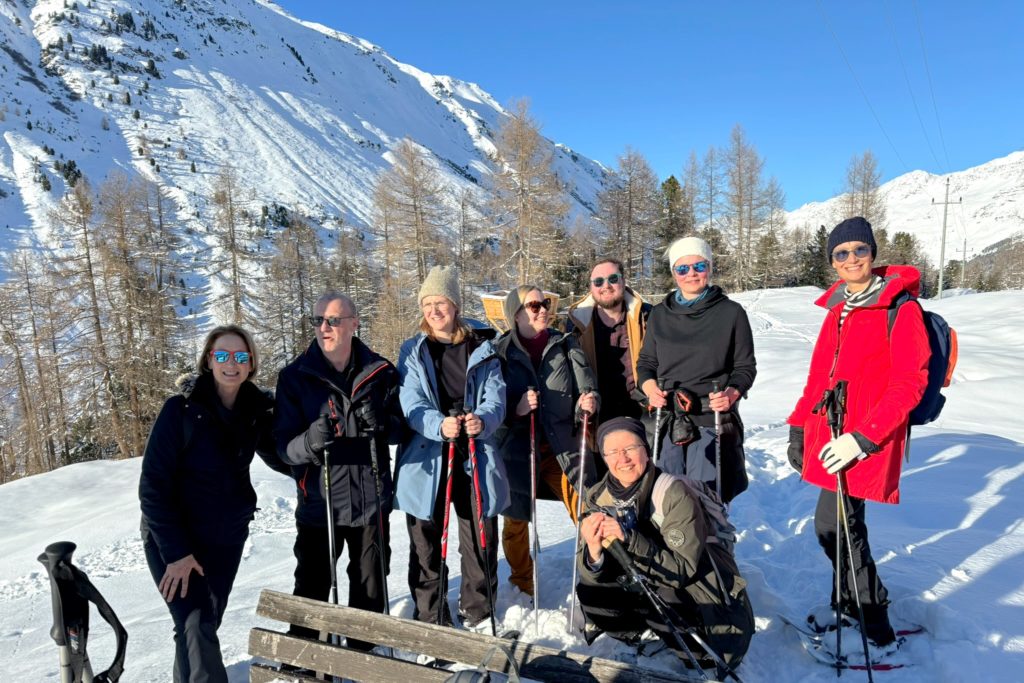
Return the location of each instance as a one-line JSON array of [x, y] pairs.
[[669, 77]]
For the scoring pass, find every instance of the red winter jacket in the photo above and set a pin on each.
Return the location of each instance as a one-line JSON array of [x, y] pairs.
[[887, 378]]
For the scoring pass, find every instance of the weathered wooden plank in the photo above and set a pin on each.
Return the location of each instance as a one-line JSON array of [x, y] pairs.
[[338, 661], [534, 661], [262, 673]]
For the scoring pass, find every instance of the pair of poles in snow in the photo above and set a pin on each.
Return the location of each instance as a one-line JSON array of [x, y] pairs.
[[715, 388], [456, 411], [329, 499], [834, 402]]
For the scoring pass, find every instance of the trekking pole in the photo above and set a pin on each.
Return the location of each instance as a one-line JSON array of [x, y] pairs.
[[657, 426], [715, 388], [665, 613], [70, 593], [483, 532], [836, 418], [533, 517], [378, 486], [443, 569], [332, 638], [579, 512]]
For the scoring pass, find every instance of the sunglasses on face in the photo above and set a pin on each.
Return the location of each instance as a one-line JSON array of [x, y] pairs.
[[535, 306], [698, 267], [221, 356], [613, 279], [840, 255], [333, 321]]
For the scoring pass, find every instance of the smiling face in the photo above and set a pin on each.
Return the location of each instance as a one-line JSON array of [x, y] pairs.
[[693, 283], [625, 455], [608, 295], [337, 339], [855, 270], [439, 312], [230, 374], [530, 322]]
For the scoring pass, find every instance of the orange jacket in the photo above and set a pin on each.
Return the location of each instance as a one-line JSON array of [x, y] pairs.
[[887, 375]]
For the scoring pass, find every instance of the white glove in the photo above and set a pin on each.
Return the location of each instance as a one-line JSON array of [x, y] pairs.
[[839, 453]]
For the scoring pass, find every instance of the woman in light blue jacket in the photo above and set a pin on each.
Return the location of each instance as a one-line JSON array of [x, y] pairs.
[[449, 367]]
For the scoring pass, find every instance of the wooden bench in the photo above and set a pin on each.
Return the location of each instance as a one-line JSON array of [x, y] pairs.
[[534, 661]]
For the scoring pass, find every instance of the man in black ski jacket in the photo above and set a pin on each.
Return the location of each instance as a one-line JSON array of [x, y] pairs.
[[331, 402]]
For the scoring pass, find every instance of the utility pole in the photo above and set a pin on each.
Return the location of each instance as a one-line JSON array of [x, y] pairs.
[[942, 248], [963, 264]]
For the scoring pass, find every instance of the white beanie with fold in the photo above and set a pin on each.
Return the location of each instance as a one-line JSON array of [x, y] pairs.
[[688, 246]]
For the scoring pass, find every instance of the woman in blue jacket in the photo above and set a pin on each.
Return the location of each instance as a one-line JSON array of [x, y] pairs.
[[450, 366], [196, 496]]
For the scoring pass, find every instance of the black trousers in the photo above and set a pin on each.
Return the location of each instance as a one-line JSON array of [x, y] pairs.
[[197, 616], [874, 597], [313, 568], [625, 614], [425, 555]]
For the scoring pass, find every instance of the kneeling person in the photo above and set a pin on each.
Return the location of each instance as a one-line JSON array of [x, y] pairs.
[[662, 523]]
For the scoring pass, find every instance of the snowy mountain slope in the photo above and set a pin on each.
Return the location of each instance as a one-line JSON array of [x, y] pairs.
[[992, 208], [949, 553], [305, 114]]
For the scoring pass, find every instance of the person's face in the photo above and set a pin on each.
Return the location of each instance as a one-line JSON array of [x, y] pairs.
[[855, 270], [692, 283], [230, 373], [439, 312], [625, 455], [607, 295], [532, 318], [334, 338]]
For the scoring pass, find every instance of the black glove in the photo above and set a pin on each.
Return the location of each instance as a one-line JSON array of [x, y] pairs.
[[319, 436], [366, 419], [795, 452]]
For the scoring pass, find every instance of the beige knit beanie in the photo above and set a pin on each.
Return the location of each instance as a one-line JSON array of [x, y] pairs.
[[442, 281]]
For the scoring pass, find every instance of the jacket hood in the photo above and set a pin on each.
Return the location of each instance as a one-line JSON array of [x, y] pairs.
[[898, 279], [510, 339], [582, 312], [714, 296]]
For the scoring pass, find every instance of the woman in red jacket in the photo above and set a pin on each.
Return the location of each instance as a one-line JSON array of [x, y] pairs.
[[886, 374]]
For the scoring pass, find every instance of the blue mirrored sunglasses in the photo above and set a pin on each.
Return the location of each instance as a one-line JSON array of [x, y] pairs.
[[241, 357], [699, 267], [861, 251]]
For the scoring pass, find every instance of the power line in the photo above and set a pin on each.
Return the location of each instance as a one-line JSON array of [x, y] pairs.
[[906, 77], [931, 89], [860, 87]]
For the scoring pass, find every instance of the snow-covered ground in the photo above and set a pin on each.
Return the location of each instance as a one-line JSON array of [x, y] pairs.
[[950, 553]]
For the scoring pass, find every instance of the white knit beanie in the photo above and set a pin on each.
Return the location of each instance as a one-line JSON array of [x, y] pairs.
[[442, 281], [688, 246]]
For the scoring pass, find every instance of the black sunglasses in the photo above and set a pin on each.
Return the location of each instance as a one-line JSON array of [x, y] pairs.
[[333, 321], [840, 255], [613, 279], [535, 306]]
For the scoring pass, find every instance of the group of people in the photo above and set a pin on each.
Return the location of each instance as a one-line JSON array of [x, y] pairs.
[[485, 424]]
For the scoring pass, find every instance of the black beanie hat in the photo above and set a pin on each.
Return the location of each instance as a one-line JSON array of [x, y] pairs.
[[855, 229], [622, 424]]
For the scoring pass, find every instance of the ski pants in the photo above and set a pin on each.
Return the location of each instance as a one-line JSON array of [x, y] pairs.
[[313, 568], [515, 533], [197, 616], [874, 597], [696, 460], [625, 614], [425, 556]]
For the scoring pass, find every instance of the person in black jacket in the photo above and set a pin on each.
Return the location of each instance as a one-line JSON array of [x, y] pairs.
[[340, 397], [697, 338], [196, 496]]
